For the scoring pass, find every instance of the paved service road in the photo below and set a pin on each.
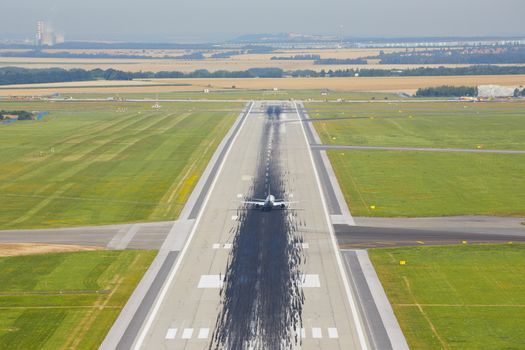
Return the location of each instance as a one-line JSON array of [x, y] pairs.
[[416, 149], [253, 279]]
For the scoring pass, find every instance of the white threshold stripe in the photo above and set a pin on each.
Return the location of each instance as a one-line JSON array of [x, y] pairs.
[[210, 282], [171, 333], [187, 333], [349, 294], [317, 333], [203, 333], [217, 281], [332, 333], [167, 283]]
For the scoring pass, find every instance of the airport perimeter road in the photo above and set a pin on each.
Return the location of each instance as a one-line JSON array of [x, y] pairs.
[[252, 279]]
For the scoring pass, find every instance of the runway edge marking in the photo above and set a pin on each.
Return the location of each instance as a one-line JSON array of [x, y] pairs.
[[142, 335], [349, 294]]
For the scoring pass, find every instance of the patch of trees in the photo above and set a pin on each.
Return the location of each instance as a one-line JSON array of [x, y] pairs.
[[477, 55], [447, 91], [326, 61], [416, 72], [22, 115], [15, 75], [297, 58], [225, 54]]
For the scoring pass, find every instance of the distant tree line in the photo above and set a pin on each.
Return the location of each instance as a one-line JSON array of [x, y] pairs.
[[447, 91], [22, 115], [226, 54], [15, 75], [65, 54], [479, 55], [326, 61], [297, 58]]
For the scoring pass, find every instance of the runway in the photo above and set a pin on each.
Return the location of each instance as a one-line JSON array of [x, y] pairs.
[[252, 279]]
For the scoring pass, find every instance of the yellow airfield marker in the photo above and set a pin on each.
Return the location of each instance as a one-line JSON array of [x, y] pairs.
[[372, 207], [464, 242], [420, 242], [402, 262]]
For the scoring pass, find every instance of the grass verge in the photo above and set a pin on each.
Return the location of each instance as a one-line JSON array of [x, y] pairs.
[[418, 124], [456, 297], [415, 184], [65, 300], [103, 163]]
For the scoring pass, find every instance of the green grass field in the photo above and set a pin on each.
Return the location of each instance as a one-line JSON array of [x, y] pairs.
[[456, 297], [65, 300], [242, 94], [418, 124], [102, 163], [415, 184]]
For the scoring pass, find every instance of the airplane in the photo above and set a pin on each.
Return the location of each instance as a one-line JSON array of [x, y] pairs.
[[269, 203]]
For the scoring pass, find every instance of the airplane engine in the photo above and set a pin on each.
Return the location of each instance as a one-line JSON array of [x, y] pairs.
[[283, 206], [257, 206]]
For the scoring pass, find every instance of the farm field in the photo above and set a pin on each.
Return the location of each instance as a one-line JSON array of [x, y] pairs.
[[425, 124], [456, 297], [103, 163], [65, 300], [351, 84], [418, 184], [235, 63]]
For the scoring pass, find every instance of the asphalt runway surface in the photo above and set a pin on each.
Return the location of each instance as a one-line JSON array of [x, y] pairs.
[[253, 279], [362, 237]]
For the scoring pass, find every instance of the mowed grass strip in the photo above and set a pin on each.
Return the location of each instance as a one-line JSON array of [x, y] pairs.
[[415, 184], [419, 124], [65, 300], [456, 297], [103, 163]]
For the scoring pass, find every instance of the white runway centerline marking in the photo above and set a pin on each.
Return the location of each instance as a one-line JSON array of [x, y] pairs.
[[234, 217], [332, 333], [172, 332], [303, 333], [210, 281], [227, 246], [203, 333], [310, 281], [317, 333], [239, 195], [216, 246], [187, 333]]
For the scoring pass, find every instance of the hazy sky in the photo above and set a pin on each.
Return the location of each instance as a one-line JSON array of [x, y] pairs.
[[176, 20]]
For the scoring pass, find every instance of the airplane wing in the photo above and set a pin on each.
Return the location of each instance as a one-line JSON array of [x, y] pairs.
[[281, 203], [253, 202]]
